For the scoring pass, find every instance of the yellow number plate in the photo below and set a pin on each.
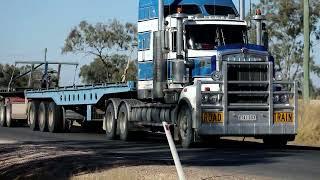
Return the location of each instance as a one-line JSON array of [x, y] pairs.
[[283, 117], [212, 117]]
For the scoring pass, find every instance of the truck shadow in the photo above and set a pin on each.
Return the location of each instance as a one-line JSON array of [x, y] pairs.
[[63, 159]]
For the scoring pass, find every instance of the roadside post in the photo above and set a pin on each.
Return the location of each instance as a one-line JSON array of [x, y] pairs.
[[174, 151]]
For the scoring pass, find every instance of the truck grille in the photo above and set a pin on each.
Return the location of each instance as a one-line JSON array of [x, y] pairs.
[[238, 74]]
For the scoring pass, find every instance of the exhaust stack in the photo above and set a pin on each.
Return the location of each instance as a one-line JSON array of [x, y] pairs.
[[242, 9], [159, 62], [161, 15], [259, 18], [179, 67]]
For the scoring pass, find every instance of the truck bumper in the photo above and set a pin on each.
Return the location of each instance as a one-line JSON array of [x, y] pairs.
[[263, 123], [232, 126]]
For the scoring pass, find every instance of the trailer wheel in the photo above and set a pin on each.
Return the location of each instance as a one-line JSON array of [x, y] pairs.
[[110, 122], [9, 120], [185, 126], [43, 117], [54, 117], [3, 115], [123, 122], [33, 115]]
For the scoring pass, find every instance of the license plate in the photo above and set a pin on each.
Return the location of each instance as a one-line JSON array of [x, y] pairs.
[[247, 117], [283, 117], [212, 117]]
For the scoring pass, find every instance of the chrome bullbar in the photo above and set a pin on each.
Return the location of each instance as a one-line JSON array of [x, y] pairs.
[[217, 114]]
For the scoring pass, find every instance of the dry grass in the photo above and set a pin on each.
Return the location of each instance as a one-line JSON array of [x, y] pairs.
[[309, 124], [163, 173]]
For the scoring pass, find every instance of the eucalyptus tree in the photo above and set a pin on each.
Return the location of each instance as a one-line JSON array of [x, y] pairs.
[[112, 43]]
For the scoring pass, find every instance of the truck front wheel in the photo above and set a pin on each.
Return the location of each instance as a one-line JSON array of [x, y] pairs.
[[185, 126], [275, 141]]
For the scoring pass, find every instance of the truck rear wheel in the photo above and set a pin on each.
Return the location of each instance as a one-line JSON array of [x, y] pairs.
[[9, 120], [33, 115], [110, 122], [3, 115], [54, 117], [123, 120], [43, 117], [185, 126]]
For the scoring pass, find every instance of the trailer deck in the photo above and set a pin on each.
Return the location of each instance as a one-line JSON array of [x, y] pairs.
[[80, 95]]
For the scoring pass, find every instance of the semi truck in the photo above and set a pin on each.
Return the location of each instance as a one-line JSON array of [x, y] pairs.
[[196, 71]]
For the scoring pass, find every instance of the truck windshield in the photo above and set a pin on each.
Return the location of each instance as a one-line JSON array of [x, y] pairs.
[[209, 37], [186, 9], [219, 10]]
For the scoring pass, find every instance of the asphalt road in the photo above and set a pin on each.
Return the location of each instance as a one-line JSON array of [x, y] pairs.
[[44, 155]]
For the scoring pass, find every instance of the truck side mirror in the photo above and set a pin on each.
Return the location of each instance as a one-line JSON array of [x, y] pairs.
[[1, 75]]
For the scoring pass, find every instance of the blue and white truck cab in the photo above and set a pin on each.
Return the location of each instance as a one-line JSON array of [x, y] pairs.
[[196, 55]]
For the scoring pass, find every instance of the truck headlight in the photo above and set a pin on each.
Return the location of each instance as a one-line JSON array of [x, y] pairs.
[[205, 98], [213, 99], [279, 76], [210, 99], [276, 99], [284, 99], [216, 76]]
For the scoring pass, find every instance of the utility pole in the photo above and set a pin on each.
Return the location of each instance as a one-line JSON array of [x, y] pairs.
[[306, 60]]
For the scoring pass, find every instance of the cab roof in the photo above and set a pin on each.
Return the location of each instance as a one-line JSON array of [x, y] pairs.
[[148, 9]]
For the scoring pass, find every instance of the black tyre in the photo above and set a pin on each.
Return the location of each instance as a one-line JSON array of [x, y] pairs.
[[33, 115], [43, 117], [275, 141], [185, 126], [9, 120], [66, 123], [3, 122], [110, 122], [123, 120], [54, 117]]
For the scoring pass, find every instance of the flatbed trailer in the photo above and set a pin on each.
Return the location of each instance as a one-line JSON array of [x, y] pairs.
[[88, 101]]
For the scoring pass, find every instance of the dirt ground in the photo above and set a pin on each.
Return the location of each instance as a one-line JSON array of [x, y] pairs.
[[163, 173], [34, 161]]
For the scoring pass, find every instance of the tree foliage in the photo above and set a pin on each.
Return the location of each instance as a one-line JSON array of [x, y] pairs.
[[96, 71], [10, 71], [285, 29], [6, 72], [111, 44]]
